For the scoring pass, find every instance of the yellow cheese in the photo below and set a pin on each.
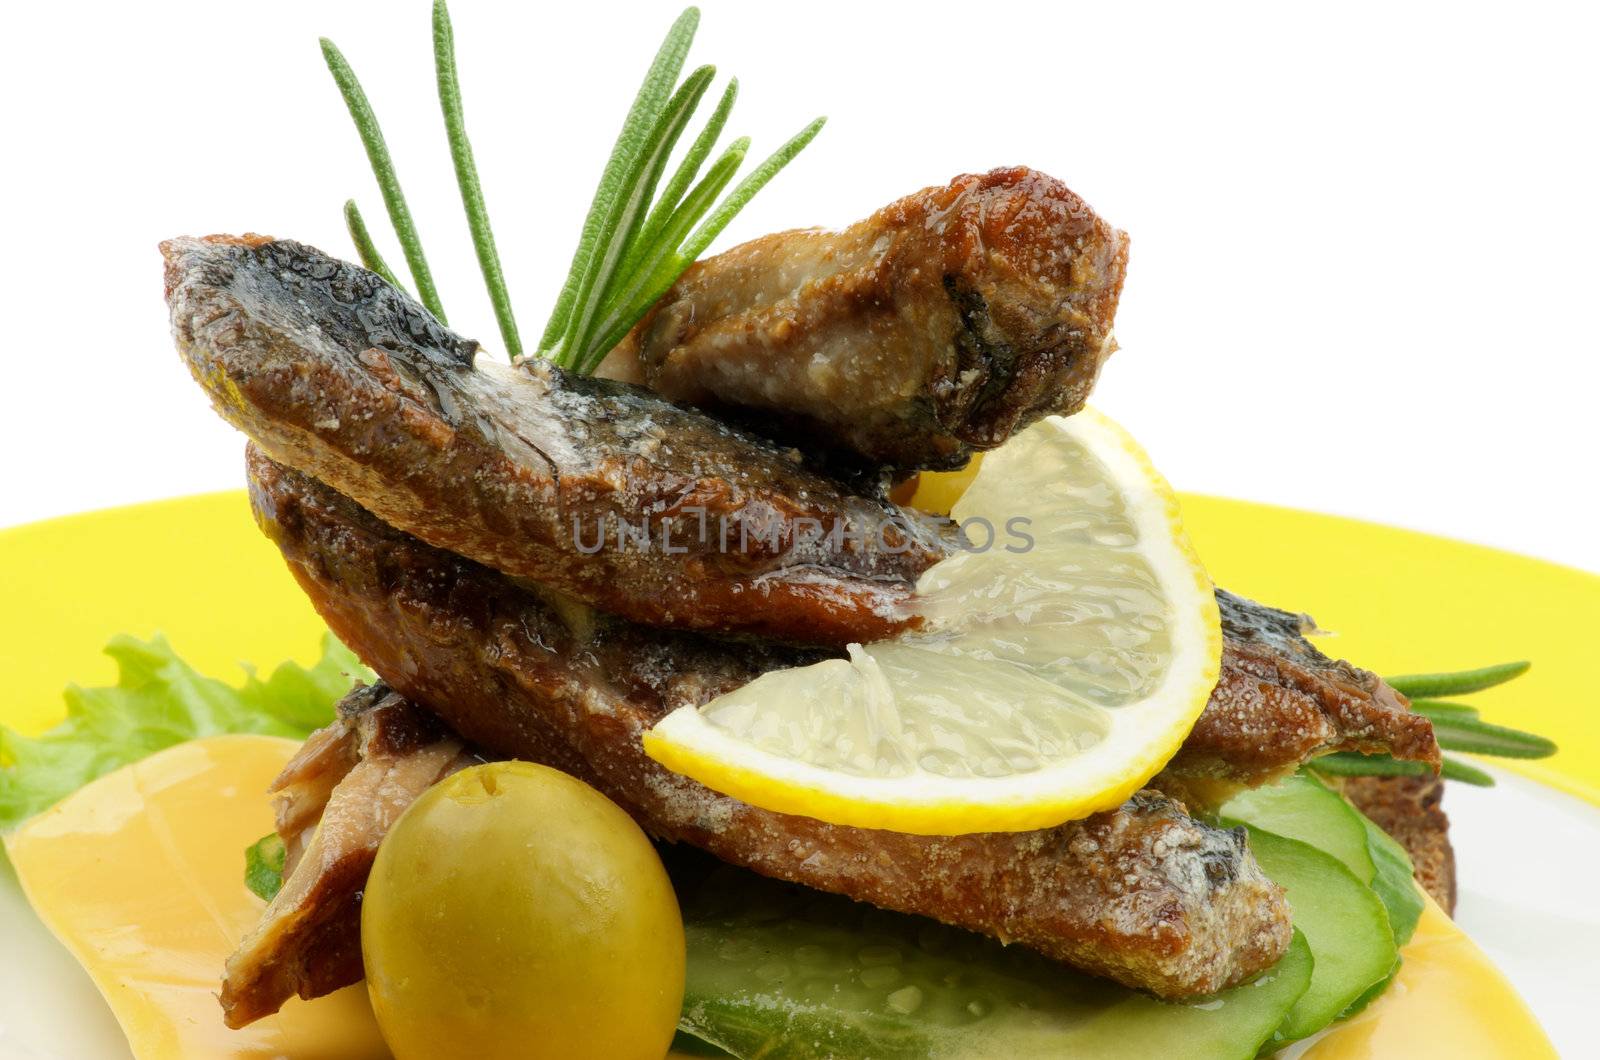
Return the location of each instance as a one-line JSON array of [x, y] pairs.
[[140, 875], [1448, 1000]]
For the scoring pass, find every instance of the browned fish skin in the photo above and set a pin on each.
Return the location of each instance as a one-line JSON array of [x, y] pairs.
[[1143, 895], [1280, 702], [349, 783], [943, 323], [334, 372]]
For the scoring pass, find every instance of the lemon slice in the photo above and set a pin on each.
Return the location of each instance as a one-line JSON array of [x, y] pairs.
[[1063, 659]]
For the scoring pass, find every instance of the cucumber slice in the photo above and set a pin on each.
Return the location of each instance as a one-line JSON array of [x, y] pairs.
[[1397, 889], [1394, 882], [782, 973], [1302, 807], [1343, 921]]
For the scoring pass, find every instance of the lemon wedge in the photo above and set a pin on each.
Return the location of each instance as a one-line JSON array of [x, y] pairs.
[[1063, 658]]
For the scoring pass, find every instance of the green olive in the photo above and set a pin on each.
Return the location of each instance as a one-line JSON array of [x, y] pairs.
[[513, 911]]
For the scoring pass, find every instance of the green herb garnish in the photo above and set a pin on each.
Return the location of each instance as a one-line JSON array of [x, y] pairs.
[[263, 867], [444, 61], [394, 200], [635, 242], [1352, 764], [1455, 725], [1457, 683], [160, 700]]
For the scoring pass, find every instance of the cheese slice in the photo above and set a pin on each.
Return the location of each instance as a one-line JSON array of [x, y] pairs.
[[1448, 1000], [140, 875]]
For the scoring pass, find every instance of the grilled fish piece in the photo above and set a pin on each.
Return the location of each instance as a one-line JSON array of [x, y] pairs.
[[1144, 895], [334, 372], [336, 799], [1280, 701], [945, 322]]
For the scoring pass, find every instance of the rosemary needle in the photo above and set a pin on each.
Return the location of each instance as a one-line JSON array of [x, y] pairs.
[[444, 55], [1457, 683], [365, 247], [1352, 764], [1439, 708], [383, 169], [1460, 733]]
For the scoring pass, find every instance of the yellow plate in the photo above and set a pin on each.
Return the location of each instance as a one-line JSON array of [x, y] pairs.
[[197, 570], [1398, 602]]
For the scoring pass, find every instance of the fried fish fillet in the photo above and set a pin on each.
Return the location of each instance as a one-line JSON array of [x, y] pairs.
[[945, 322], [308, 941], [335, 800], [1280, 701], [601, 490], [1143, 895]]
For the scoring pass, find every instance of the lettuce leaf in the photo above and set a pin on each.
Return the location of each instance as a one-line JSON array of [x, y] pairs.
[[160, 700]]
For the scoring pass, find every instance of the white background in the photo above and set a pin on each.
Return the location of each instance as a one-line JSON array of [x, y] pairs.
[[1363, 277]]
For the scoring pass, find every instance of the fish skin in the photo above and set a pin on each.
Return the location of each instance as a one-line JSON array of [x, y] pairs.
[[942, 324], [1144, 895], [334, 372]]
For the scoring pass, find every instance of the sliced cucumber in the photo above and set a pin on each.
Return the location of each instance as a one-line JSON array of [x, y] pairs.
[[1397, 889], [1394, 882], [1344, 922], [780, 972], [1302, 807]]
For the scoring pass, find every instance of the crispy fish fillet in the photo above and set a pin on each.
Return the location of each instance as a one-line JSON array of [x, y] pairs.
[[1144, 895], [1280, 701], [335, 801], [600, 490], [943, 323]]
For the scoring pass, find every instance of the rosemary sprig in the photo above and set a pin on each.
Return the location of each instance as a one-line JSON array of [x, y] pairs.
[[444, 59], [663, 267], [634, 244], [394, 200], [1456, 726]]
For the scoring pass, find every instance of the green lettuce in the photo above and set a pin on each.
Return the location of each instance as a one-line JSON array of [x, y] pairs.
[[160, 700]]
